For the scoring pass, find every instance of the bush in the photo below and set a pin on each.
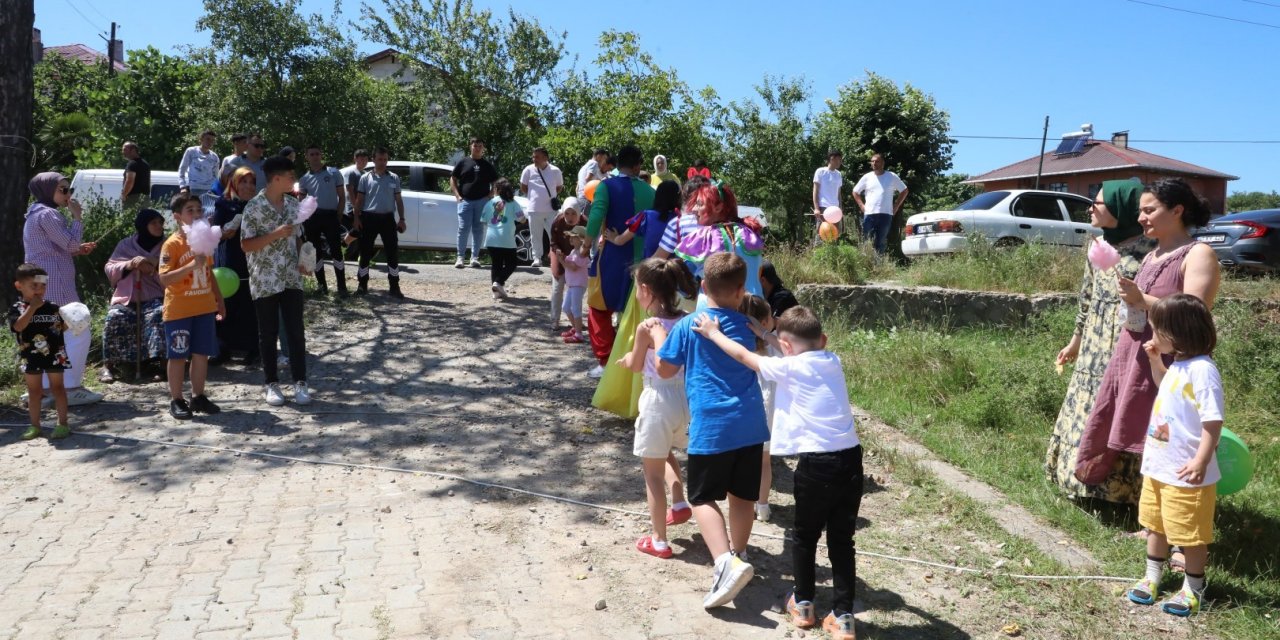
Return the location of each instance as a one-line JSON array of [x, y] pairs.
[[983, 266]]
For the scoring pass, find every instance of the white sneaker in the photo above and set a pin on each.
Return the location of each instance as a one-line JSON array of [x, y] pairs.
[[502, 291], [730, 577], [596, 372], [475, 264], [300, 393], [763, 512], [457, 264], [274, 397], [79, 396], [46, 400]]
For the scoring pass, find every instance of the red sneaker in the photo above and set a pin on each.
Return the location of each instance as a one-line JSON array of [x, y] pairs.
[[645, 545], [679, 516]]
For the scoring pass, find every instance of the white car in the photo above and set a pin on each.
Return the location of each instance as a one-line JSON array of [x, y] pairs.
[[1007, 218], [431, 212], [105, 184]]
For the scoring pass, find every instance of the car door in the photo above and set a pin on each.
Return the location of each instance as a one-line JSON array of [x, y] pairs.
[[439, 210], [1040, 217], [1078, 215]]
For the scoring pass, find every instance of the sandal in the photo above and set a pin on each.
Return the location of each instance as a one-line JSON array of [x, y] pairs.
[[678, 516], [1183, 603], [645, 545], [1143, 591], [106, 376], [31, 433], [61, 431], [1177, 560]]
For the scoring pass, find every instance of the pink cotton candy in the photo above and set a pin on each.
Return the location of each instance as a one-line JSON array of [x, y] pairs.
[[202, 238], [1103, 255], [306, 208]]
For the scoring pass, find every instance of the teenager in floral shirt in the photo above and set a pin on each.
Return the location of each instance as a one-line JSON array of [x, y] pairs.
[[271, 239]]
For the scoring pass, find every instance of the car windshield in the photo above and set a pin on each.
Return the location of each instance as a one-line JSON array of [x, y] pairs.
[[983, 201]]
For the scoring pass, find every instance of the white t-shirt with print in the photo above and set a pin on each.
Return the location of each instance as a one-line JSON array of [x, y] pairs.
[[540, 194], [829, 182], [811, 412], [1190, 394], [878, 190]]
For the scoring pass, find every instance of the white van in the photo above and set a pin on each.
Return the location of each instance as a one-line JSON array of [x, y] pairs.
[[93, 184]]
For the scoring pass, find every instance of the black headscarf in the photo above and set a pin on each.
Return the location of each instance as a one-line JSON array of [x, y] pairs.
[[140, 222]]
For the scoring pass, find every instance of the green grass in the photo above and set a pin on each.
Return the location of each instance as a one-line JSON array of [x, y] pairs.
[[985, 400]]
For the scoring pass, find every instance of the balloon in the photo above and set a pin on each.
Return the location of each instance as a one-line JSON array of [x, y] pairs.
[[590, 190], [833, 214], [1235, 463], [76, 316], [228, 281], [828, 232]]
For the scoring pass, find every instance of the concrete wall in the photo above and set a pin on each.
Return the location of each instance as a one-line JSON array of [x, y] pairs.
[[878, 306]]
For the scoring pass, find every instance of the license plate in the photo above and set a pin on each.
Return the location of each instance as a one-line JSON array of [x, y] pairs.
[[924, 228], [1213, 238]]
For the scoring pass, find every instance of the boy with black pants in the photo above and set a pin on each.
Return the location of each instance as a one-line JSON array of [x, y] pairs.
[[812, 419], [378, 200], [727, 427], [325, 184]]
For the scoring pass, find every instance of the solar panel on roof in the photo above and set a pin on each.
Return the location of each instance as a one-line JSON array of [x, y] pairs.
[[1070, 145]]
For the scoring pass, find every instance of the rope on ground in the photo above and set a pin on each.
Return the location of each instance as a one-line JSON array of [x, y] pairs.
[[566, 500]]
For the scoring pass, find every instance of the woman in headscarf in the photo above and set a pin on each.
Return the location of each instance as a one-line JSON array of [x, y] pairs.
[[132, 269], [1098, 327], [239, 330], [662, 173], [51, 243]]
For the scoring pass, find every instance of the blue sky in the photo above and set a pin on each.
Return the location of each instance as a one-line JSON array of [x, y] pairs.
[[997, 66]]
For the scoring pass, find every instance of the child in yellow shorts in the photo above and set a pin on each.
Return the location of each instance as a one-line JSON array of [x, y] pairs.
[[1179, 467]]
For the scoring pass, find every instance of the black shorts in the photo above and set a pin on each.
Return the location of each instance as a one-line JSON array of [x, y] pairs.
[[736, 472]]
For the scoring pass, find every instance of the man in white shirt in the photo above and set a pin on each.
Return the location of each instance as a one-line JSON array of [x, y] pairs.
[[826, 187], [592, 171], [198, 170], [541, 182], [880, 205]]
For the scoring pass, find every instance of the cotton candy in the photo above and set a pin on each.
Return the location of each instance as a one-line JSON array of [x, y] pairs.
[[306, 208], [76, 316], [1103, 255], [202, 238]]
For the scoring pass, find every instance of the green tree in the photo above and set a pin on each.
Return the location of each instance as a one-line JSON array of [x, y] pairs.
[[905, 125], [64, 90], [1253, 200], [770, 156], [151, 105], [475, 74], [631, 99], [945, 192]]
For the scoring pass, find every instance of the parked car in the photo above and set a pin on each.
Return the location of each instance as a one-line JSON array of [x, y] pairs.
[[91, 184], [431, 212], [1007, 218], [1249, 240]]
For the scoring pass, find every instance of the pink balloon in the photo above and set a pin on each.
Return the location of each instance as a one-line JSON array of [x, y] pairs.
[[833, 214]]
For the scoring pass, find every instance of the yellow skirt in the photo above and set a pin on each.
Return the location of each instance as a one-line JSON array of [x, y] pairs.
[[619, 389]]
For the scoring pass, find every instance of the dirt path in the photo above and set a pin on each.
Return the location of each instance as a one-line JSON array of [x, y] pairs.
[[108, 537]]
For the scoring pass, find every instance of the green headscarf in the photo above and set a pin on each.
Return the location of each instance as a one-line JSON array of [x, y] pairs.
[[1121, 197]]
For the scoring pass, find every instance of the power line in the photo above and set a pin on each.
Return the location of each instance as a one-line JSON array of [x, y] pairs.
[[1265, 4], [1207, 15], [95, 10], [1130, 140], [83, 16]]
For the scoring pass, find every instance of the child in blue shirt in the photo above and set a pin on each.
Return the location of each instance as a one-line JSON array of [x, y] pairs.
[[727, 425], [501, 213]]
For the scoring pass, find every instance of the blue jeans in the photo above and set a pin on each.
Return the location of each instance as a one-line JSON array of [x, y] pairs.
[[471, 223], [875, 227]]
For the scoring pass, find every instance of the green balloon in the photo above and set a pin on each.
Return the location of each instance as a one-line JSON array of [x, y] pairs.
[[1234, 462], [228, 281]]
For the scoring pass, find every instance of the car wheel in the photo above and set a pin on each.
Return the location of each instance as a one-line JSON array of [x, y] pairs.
[[1009, 243], [524, 246]]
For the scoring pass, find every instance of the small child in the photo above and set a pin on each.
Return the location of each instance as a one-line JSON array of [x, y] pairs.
[[757, 309], [38, 327], [726, 427], [664, 410], [813, 419], [575, 282], [1179, 465], [192, 307], [502, 212]]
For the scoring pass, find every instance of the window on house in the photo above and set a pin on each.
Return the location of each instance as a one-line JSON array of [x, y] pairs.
[[1094, 189], [1060, 187]]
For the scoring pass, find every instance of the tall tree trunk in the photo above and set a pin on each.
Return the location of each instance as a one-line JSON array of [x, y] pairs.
[[16, 19]]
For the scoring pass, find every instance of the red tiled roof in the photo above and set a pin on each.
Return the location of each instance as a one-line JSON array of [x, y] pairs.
[[1097, 156], [80, 52]]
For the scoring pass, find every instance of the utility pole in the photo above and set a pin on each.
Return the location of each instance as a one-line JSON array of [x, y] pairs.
[[111, 52], [1043, 140]]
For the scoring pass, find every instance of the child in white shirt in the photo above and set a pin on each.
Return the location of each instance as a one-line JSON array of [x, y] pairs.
[[814, 420]]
